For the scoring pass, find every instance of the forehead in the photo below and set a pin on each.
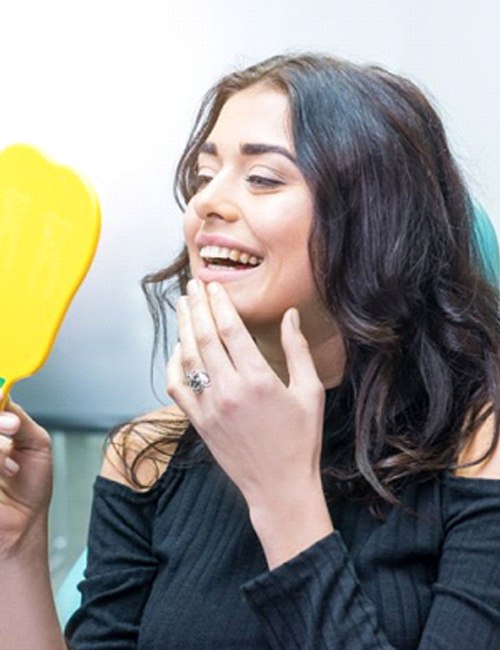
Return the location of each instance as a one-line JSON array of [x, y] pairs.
[[256, 114]]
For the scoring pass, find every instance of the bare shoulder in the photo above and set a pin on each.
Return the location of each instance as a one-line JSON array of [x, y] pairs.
[[477, 446], [139, 452]]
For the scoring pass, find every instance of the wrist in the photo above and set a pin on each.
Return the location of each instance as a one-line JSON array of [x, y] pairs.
[[28, 546], [28, 617], [289, 523]]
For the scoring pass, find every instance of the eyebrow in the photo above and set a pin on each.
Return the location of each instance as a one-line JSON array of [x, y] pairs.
[[251, 149]]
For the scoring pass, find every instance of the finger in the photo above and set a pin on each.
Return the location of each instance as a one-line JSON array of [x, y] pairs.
[[240, 345], [9, 423], [206, 333], [9, 426], [301, 368], [188, 348], [28, 434], [176, 382], [8, 466]]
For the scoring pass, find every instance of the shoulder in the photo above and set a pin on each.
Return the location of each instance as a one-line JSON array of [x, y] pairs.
[[138, 453], [479, 444]]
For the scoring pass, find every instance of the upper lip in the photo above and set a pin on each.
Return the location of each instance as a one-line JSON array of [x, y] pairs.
[[203, 239]]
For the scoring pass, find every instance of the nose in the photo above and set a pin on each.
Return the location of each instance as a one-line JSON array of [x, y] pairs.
[[217, 200]]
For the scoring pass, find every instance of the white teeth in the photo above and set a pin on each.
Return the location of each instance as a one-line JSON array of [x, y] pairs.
[[215, 252], [233, 254]]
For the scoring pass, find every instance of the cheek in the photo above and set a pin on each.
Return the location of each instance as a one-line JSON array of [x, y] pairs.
[[189, 223], [291, 243], [190, 228]]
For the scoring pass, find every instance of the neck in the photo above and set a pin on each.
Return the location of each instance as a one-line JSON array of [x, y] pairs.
[[327, 351]]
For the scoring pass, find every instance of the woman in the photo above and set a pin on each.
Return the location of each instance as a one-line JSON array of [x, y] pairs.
[[336, 479]]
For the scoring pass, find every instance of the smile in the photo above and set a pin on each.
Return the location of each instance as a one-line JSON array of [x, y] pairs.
[[228, 257]]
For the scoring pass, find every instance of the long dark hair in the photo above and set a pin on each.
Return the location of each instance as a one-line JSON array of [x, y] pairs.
[[394, 258]]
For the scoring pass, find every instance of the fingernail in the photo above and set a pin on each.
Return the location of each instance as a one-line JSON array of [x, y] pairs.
[[193, 287], [213, 288], [295, 318], [8, 420], [11, 467]]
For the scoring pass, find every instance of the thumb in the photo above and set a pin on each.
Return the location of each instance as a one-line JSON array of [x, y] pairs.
[[301, 368], [27, 433]]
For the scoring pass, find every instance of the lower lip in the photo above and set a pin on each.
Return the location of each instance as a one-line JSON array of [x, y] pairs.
[[221, 274]]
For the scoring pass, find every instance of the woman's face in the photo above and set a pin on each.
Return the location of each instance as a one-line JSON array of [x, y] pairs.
[[248, 225]]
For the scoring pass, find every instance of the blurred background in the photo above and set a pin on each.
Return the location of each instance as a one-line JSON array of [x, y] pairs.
[[111, 88]]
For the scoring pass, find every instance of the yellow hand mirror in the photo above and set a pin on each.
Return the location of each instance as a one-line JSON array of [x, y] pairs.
[[49, 228]]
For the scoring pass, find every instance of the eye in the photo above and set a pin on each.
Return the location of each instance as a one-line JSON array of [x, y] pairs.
[[201, 181], [263, 182]]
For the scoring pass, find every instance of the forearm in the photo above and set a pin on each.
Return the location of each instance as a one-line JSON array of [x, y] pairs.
[[28, 617], [315, 602]]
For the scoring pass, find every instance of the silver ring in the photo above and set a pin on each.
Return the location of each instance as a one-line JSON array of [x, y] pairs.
[[198, 380]]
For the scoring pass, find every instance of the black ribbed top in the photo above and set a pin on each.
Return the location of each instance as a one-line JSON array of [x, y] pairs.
[[180, 567]]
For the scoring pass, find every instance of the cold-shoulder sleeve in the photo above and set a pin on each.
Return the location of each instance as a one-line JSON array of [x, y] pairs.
[[316, 602], [466, 608], [120, 568]]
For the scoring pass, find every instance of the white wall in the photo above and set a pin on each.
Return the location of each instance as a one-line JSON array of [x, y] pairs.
[[110, 87]]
